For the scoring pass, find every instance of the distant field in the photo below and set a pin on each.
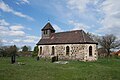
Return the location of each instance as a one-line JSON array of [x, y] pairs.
[[103, 69]]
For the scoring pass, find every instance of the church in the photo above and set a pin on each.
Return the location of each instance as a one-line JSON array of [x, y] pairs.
[[68, 45]]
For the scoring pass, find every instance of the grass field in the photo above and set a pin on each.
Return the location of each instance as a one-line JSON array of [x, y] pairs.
[[103, 69]]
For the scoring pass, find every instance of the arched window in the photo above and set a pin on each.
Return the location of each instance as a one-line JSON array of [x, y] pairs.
[[40, 50], [53, 51], [67, 50], [90, 51]]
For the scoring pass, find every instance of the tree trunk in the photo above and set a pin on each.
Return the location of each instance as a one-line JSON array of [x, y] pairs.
[[108, 52]]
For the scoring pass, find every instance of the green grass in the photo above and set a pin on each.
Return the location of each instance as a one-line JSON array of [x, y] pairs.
[[103, 69]]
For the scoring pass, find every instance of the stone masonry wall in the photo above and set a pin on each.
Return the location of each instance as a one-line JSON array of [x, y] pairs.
[[76, 51]]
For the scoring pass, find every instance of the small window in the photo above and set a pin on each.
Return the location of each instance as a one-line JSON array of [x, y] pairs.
[[40, 50], [90, 51], [53, 51], [67, 50], [45, 32]]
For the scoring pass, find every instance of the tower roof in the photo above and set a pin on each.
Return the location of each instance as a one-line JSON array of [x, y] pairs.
[[48, 26]]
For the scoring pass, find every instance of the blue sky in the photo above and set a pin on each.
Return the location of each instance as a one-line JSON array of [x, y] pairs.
[[21, 20]]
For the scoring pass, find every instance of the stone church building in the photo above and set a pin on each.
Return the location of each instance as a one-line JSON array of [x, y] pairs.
[[75, 45]]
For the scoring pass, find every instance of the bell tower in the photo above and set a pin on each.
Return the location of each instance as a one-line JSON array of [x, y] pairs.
[[47, 30]]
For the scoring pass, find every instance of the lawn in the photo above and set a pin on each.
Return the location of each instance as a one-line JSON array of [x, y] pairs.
[[103, 69]]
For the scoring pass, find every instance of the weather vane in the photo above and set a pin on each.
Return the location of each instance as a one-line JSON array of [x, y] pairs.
[[48, 20]]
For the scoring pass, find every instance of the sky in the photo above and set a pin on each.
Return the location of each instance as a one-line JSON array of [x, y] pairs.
[[21, 21]]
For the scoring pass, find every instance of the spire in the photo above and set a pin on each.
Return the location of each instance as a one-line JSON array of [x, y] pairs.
[[47, 30], [48, 26]]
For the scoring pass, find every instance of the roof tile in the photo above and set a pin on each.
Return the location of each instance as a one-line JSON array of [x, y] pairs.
[[69, 37]]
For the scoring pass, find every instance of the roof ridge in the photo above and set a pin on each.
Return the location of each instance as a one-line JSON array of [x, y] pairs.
[[67, 31]]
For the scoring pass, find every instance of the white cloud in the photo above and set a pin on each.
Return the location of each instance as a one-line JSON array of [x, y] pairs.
[[8, 30], [15, 30], [3, 22], [16, 27], [85, 11], [78, 26], [109, 6], [29, 29], [6, 8], [11, 33], [31, 39], [83, 5], [16, 33], [4, 41], [26, 40], [79, 5], [17, 40], [111, 20], [25, 1], [3, 28], [22, 15], [108, 14], [57, 28]]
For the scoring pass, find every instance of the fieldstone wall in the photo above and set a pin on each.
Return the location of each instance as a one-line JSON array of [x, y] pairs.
[[94, 52], [76, 51]]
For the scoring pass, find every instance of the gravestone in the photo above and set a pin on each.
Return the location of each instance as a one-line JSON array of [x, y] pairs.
[[53, 59], [38, 58], [13, 59], [57, 58]]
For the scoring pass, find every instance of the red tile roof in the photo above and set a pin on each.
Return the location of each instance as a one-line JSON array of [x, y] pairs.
[[69, 37], [118, 52]]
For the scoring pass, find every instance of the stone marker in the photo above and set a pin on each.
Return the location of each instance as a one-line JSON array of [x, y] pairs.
[[53, 59], [57, 58], [13, 59], [38, 58]]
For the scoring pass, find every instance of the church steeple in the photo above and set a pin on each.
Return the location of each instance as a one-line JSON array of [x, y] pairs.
[[47, 30]]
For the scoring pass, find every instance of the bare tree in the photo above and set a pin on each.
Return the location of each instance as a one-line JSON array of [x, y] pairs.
[[109, 42], [8, 51], [29, 48], [93, 36]]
